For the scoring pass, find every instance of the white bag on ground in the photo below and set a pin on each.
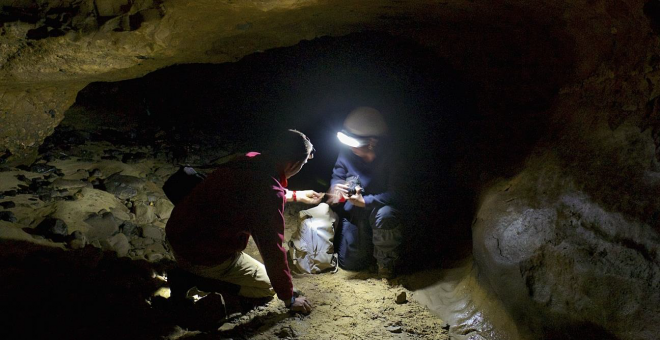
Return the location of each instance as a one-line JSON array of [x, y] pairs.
[[311, 247]]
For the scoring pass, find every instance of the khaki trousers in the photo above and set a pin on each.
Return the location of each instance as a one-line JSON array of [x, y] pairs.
[[242, 270]]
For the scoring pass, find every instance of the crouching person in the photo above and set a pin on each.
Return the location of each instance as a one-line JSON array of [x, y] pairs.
[[365, 190], [209, 229]]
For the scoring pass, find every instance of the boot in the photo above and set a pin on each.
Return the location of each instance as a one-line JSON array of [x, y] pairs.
[[385, 271]]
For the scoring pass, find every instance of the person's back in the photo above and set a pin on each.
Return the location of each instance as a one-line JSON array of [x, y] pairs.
[[216, 219]]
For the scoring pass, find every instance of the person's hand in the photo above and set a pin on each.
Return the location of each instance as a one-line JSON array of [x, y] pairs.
[[357, 199], [337, 194], [341, 193], [341, 189], [309, 196], [301, 305]]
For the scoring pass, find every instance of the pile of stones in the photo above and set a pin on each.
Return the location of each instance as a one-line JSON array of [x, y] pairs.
[[132, 226]]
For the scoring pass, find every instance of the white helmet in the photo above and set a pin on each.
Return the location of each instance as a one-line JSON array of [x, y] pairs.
[[365, 122]]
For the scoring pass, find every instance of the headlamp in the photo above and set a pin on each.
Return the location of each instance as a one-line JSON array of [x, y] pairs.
[[351, 140]]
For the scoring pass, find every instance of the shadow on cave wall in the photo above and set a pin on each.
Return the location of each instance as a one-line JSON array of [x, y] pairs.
[[451, 147]]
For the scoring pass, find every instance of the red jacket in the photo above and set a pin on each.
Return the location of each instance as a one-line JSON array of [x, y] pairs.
[[241, 199]]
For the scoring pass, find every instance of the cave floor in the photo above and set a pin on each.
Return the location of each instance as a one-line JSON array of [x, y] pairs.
[[347, 305], [110, 289]]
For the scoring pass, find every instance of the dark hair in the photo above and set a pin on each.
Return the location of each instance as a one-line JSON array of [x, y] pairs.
[[289, 146]]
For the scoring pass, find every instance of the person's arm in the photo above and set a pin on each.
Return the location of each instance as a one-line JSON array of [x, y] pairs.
[[382, 199], [268, 234], [336, 192], [387, 197], [339, 172], [267, 230], [304, 196]]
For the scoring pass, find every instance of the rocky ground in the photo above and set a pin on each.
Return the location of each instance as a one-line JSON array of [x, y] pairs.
[[84, 256]]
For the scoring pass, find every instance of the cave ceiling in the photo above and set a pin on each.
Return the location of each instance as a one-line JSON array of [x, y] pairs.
[[50, 50]]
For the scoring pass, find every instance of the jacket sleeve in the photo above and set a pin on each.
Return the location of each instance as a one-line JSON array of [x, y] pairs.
[[391, 195], [268, 234], [339, 172]]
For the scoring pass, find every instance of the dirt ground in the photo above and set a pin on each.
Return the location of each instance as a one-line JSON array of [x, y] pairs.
[[347, 305]]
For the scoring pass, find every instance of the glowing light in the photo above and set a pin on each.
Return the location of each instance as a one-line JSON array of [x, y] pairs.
[[350, 141]]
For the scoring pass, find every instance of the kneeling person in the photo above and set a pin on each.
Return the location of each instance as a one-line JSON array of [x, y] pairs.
[[209, 229]]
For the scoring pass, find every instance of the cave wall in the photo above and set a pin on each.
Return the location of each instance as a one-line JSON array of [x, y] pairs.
[[566, 230], [570, 243]]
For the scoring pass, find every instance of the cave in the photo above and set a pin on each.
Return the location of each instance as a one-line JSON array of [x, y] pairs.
[[528, 135]]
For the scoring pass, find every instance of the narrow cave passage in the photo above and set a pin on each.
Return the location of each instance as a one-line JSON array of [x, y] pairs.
[[194, 114], [202, 112]]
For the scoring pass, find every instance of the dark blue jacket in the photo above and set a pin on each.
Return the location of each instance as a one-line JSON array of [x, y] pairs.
[[378, 178]]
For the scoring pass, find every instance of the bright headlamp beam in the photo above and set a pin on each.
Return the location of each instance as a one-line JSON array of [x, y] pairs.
[[350, 141]]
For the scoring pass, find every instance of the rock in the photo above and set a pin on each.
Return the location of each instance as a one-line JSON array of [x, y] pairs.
[[156, 247], [209, 308], [111, 154], [401, 298], [129, 229], [163, 208], [227, 326], [570, 261], [132, 158], [144, 213], [42, 168], [61, 183], [96, 173], [141, 243], [39, 186], [120, 214], [7, 216], [81, 174], [8, 204], [96, 244], [53, 229], [154, 257], [286, 332], [59, 193], [394, 329], [10, 193], [122, 186], [77, 240], [117, 243], [102, 226], [153, 232]]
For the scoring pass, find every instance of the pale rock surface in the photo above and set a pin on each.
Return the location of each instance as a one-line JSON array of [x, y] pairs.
[[74, 213], [117, 243], [13, 231], [144, 212]]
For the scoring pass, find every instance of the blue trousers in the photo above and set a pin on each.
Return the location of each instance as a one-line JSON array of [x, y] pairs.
[[366, 235]]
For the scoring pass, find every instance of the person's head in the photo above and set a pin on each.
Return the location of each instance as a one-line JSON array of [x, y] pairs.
[[290, 150], [363, 127]]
